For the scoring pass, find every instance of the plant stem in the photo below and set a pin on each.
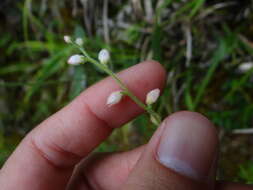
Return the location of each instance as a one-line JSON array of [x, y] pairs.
[[103, 67]]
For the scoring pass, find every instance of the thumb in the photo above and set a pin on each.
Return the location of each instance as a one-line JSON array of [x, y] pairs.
[[181, 155]]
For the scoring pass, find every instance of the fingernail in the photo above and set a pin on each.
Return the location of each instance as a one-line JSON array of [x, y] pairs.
[[188, 145]]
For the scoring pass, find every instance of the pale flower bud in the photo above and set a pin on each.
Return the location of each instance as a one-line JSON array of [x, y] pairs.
[[152, 96], [244, 67], [67, 39], [104, 56], [79, 41], [76, 60], [114, 98]]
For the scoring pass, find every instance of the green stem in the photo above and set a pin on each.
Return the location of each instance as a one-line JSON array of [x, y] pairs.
[[122, 86]]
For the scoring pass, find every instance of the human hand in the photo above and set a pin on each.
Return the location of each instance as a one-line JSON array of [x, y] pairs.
[[181, 155]]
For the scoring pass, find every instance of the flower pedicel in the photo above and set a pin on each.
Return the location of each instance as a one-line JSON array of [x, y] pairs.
[[115, 97]]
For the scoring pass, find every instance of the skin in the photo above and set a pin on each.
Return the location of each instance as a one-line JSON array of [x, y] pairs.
[[57, 153]]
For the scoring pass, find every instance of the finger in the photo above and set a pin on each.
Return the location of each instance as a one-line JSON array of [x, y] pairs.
[[49, 153], [179, 156], [115, 166]]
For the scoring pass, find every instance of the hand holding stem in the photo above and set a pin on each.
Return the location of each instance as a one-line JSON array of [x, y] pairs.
[[115, 97]]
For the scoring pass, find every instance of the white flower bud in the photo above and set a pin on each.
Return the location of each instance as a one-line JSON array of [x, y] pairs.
[[244, 67], [67, 39], [104, 56], [114, 98], [79, 41], [76, 60], [152, 96]]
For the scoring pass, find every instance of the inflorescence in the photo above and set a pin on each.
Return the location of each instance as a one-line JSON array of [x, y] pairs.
[[115, 97]]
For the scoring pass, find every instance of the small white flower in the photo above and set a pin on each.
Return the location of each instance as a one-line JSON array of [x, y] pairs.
[[79, 41], [152, 96], [114, 98], [67, 39], [104, 56], [76, 60], [244, 67]]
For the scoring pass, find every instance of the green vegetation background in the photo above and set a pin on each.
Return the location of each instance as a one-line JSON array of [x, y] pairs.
[[201, 43]]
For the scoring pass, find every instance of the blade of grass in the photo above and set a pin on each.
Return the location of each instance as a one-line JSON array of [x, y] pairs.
[[49, 68], [156, 43], [196, 7], [226, 45], [78, 83], [26, 10], [239, 84]]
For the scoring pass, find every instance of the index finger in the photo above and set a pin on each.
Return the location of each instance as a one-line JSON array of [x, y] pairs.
[[46, 157]]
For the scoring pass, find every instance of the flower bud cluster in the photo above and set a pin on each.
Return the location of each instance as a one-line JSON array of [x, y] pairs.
[[103, 58]]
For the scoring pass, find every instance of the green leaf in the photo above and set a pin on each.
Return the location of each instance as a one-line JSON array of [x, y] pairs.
[[79, 32], [226, 45], [50, 67], [78, 83], [189, 101], [197, 5], [17, 67], [156, 43], [1, 139]]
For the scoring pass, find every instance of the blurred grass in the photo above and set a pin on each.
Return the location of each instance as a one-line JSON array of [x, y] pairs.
[[201, 44]]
